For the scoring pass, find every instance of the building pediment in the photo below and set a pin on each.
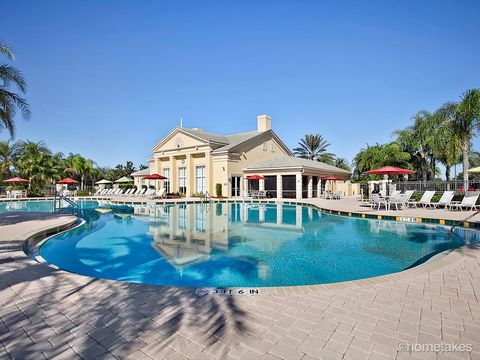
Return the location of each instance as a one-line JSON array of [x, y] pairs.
[[180, 138]]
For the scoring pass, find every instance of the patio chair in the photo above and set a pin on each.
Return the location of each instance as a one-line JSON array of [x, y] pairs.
[[135, 192], [425, 199], [408, 195], [261, 194], [468, 201], [445, 200], [376, 200], [148, 193], [398, 200]]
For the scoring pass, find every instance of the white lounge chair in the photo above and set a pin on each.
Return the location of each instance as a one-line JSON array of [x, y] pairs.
[[398, 200], [376, 200], [97, 192], [148, 192], [425, 199], [468, 201], [160, 194], [445, 200]]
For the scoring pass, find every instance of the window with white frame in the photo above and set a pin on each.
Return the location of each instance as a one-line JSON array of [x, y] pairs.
[[200, 180], [182, 180], [166, 182]]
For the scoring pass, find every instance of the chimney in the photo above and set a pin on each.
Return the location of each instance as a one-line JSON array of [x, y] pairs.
[[264, 123]]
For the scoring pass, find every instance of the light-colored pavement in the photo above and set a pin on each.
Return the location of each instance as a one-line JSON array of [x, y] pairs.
[[47, 313]]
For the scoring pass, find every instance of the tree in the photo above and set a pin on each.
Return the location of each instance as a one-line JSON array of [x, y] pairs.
[[11, 80], [314, 147], [418, 140], [447, 144], [6, 159], [34, 161], [77, 165], [341, 163], [465, 119], [375, 156]]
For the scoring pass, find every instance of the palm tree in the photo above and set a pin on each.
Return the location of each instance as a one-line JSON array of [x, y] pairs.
[[341, 163], [10, 101], [33, 161], [379, 155], [418, 140], [465, 118], [447, 145], [77, 165], [314, 147], [6, 158]]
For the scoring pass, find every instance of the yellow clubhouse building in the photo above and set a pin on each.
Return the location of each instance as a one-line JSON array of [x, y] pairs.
[[194, 161]]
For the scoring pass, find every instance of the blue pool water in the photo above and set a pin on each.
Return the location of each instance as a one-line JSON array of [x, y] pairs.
[[237, 244]]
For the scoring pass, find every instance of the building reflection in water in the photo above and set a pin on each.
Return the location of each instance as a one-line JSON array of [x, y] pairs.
[[187, 234]]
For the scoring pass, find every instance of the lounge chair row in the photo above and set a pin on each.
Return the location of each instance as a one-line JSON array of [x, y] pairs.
[[399, 200], [150, 193]]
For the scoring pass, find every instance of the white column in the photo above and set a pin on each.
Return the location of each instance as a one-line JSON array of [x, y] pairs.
[[245, 186], [279, 187], [190, 174], [261, 214], [310, 187], [298, 217], [261, 185], [279, 213], [298, 185], [319, 187]]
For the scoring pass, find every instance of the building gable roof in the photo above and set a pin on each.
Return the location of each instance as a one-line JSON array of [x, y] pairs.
[[223, 143]]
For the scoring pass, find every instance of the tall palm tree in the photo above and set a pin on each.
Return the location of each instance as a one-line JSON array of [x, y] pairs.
[[314, 147], [418, 140], [465, 118], [6, 158], [77, 165], [447, 144], [33, 161], [11, 80]]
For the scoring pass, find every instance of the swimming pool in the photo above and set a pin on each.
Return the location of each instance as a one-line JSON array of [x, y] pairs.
[[238, 244]]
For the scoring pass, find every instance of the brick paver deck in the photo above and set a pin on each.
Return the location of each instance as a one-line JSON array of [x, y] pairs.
[[48, 313]]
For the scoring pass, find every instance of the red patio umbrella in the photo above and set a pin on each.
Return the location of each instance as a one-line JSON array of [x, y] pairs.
[[390, 170], [67, 181], [154, 177], [255, 177], [16, 180]]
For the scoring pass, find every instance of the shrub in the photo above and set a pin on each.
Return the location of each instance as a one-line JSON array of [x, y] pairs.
[[83, 193], [218, 190], [34, 193]]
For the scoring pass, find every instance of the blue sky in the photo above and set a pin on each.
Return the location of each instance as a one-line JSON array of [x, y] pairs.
[[108, 79]]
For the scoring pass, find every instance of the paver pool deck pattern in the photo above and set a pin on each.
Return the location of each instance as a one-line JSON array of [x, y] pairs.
[[49, 313]]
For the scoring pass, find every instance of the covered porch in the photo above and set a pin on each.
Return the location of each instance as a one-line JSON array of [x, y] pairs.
[[295, 179]]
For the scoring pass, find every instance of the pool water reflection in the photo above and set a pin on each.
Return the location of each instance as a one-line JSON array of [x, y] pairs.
[[236, 244]]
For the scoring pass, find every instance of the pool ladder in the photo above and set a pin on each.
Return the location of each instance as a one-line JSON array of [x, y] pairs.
[[462, 221], [206, 197], [60, 198]]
